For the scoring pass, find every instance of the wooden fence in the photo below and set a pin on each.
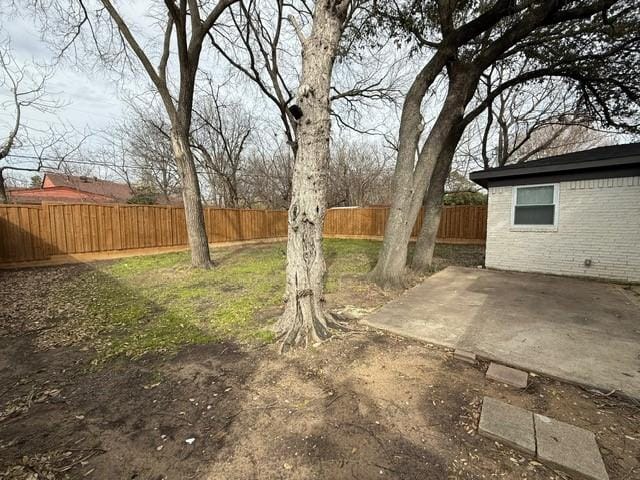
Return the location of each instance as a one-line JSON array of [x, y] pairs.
[[39, 232], [458, 224]]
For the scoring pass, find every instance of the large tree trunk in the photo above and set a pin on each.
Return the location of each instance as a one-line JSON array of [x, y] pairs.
[[304, 320], [410, 186], [390, 268], [411, 178], [194, 214], [425, 245]]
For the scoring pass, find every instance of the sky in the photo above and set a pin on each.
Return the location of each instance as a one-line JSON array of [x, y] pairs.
[[90, 98], [94, 98]]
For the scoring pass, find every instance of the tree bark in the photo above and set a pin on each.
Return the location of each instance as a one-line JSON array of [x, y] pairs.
[[390, 270], [422, 260], [3, 190], [411, 178], [191, 197], [304, 320]]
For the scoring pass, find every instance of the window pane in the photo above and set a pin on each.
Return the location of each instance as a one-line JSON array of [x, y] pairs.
[[534, 215], [535, 195]]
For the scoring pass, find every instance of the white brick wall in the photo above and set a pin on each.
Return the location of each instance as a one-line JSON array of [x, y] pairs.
[[598, 220]]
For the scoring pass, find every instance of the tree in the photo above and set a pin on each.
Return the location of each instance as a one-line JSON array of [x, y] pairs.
[[220, 138], [258, 35], [140, 152], [26, 86], [254, 47], [359, 175], [528, 120], [305, 320], [259, 47], [267, 176], [35, 181], [188, 23], [465, 198], [591, 44]]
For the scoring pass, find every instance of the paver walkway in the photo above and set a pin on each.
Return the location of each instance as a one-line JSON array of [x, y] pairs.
[[510, 376], [512, 426], [580, 331], [558, 444]]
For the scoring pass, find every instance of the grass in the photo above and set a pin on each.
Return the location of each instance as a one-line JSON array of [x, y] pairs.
[[159, 303]]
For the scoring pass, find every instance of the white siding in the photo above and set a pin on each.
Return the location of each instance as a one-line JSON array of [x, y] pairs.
[[598, 220]]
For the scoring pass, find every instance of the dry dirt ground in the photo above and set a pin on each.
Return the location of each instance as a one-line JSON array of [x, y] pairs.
[[365, 405]]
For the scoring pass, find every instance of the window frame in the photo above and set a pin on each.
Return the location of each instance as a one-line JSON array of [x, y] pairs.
[[536, 227]]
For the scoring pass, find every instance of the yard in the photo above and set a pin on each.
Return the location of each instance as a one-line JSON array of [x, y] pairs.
[[143, 368]]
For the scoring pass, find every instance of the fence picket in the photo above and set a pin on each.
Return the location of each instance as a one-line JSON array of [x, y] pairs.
[[36, 232]]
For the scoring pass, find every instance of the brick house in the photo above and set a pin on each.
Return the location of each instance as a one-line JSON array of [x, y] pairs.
[[575, 214]]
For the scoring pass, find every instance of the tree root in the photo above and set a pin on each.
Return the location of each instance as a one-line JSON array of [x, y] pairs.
[[294, 332], [421, 269], [398, 281]]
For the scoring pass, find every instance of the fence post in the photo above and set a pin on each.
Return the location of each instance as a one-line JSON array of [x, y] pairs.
[[117, 229], [46, 230]]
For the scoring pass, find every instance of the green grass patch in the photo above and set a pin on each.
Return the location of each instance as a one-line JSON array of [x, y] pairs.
[[347, 259], [159, 303]]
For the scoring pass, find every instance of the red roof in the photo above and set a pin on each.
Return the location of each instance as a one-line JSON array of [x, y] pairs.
[[117, 192], [57, 187], [55, 194]]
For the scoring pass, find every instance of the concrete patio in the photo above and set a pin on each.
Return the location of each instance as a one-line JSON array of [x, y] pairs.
[[580, 331]]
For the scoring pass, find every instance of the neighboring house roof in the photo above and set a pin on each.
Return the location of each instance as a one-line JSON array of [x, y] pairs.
[[602, 162], [55, 194], [116, 191], [57, 187]]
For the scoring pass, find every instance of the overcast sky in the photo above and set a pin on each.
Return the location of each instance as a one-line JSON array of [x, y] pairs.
[[94, 99], [90, 98]]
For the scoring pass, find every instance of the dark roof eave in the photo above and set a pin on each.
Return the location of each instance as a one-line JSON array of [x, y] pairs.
[[483, 177]]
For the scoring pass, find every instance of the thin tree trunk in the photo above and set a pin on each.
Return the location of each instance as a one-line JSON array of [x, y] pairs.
[[3, 190], [232, 192], [194, 213], [304, 320]]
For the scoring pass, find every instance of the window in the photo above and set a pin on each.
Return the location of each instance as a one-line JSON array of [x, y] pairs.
[[535, 205]]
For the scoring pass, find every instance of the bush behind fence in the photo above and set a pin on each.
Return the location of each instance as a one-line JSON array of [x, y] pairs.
[[39, 232]]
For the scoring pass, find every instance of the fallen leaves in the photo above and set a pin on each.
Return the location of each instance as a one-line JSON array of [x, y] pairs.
[[23, 404], [50, 465]]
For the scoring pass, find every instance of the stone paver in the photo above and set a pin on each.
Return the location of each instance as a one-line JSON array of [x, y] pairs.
[[569, 448], [465, 356], [507, 424], [510, 376]]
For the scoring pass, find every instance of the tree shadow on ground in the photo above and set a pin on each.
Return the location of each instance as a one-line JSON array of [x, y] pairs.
[[155, 417], [64, 414], [361, 404], [346, 413], [369, 405]]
